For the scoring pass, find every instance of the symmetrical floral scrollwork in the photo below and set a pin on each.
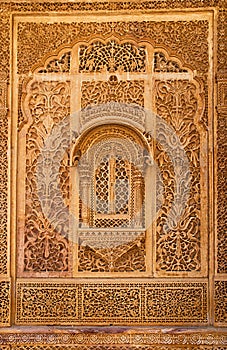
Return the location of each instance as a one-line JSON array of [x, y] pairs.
[[44, 249], [189, 38], [110, 252], [111, 199], [220, 300], [221, 178], [178, 243], [112, 57], [99, 92], [5, 303]]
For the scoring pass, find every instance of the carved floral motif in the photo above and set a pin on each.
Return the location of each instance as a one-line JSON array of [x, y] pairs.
[[178, 242], [112, 256], [44, 248], [161, 305], [99, 92], [155, 340]]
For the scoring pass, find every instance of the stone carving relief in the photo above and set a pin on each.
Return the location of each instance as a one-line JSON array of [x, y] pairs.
[[107, 253], [221, 174], [178, 243], [186, 40], [220, 302], [99, 92], [109, 347], [5, 303], [134, 303], [111, 198], [112, 57], [50, 303], [116, 112], [61, 65], [189, 38], [160, 303], [44, 249], [139, 340], [3, 176], [162, 64]]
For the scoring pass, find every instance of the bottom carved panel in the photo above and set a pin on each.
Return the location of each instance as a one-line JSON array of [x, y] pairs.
[[220, 300], [4, 302], [122, 303]]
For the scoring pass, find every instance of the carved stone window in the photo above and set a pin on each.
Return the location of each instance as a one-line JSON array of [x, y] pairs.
[[116, 186]]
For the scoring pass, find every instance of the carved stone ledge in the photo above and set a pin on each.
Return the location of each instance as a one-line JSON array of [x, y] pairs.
[[111, 338]]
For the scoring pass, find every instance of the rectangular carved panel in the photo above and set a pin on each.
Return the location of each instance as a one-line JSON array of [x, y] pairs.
[[178, 154], [185, 301], [119, 303], [47, 104], [222, 175], [52, 303], [3, 175], [220, 300], [5, 303], [103, 92]]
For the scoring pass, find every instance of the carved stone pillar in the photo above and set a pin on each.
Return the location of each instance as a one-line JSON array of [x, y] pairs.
[[85, 194]]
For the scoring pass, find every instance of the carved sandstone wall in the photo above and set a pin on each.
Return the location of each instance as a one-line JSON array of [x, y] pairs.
[[118, 122]]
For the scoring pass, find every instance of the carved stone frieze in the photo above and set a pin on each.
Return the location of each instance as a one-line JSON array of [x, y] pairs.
[[118, 303], [50, 303], [160, 303], [111, 252], [58, 65], [106, 347], [139, 339], [193, 39]]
